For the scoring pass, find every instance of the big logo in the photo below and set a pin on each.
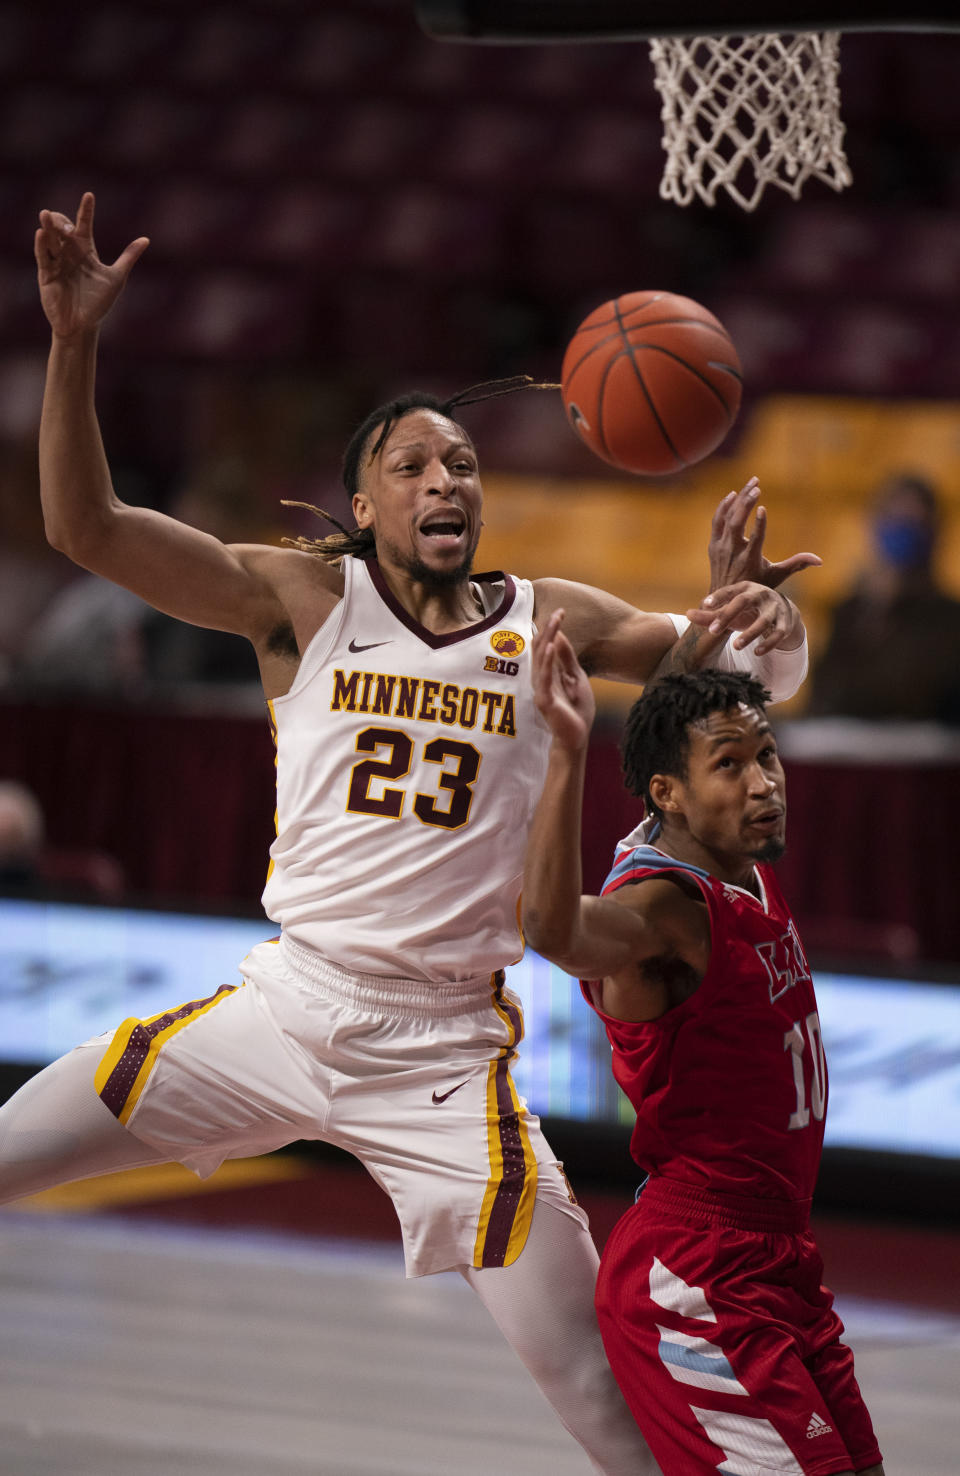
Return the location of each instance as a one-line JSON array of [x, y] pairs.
[[784, 961]]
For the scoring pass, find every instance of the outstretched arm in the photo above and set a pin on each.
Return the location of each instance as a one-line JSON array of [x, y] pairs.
[[591, 937], [613, 639], [178, 569]]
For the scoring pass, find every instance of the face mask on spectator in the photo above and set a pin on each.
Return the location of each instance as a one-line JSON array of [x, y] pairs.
[[904, 542]]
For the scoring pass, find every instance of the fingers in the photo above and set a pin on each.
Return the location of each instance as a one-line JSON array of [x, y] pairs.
[[131, 254], [85, 213], [57, 230], [778, 572], [59, 225], [54, 237], [49, 238], [541, 638], [759, 524], [565, 652], [741, 506], [545, 654], [755, 611], [735, 506], [720, 516], [765, 622], [717, 599]]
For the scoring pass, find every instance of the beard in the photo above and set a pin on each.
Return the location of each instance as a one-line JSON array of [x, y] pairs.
[[423, 573], [771, 850], [439, 578]]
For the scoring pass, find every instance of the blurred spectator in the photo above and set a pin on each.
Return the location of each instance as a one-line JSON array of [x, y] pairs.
[[87, 640], [221, 499], [98, 638], [28, 864], [21, 834], [31, 573], [894, 646]]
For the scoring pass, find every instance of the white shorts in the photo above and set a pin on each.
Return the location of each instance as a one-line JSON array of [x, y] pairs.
[[412, 1078]]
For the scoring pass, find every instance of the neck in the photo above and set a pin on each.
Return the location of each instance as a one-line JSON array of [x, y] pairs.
[[738, 870], [438, 605]]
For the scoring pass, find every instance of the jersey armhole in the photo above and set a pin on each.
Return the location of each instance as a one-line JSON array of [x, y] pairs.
[[690, 885], [323, 640]]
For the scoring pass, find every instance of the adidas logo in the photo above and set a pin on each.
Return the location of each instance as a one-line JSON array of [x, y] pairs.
[[817, 1426]]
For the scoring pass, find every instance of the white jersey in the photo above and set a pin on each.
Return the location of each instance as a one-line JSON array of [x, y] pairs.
[[408, 769]]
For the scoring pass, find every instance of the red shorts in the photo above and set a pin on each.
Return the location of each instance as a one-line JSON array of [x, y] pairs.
[[724, 1341]]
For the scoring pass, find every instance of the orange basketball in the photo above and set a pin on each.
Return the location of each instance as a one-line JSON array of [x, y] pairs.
[[651, 382]]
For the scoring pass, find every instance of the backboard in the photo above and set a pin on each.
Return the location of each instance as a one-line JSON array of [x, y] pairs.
[[750, 92], [632, 20]]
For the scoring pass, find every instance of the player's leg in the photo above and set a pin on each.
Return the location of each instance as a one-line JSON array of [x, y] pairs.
[[56, 1128], [707, 1333], [212, 1079], [831, 1368], [543, 1305], [477, 1189]]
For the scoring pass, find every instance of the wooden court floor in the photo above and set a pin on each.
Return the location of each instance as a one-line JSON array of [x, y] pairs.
[[137, 1338]]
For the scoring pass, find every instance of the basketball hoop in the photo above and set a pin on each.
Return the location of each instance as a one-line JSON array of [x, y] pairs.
[[743, 112], [750, 94]]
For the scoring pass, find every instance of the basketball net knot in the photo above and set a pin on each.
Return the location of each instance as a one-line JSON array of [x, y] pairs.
[[742, 112]]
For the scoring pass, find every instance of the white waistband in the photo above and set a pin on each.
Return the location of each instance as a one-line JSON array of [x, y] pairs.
[[378, 991]]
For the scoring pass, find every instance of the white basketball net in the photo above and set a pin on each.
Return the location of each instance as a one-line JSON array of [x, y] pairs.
[[742, 112]]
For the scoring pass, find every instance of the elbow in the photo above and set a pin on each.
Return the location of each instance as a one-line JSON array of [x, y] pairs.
[[548, 939], [57, 536], [535, 932], [64, 542], [77, 540]]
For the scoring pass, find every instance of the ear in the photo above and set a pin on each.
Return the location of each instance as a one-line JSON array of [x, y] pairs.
[[362, 510], [665, 793]]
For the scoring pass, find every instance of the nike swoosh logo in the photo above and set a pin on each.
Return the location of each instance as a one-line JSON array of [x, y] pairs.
[[368, 647], [439, 1097]]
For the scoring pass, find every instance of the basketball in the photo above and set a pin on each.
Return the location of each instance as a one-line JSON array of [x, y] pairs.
[[651, 382]]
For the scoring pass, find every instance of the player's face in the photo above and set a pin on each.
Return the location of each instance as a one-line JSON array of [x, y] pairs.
[[732, 798], [422, 497]]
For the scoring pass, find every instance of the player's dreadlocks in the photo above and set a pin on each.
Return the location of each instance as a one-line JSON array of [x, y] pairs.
[[656, 735], [360, 541]]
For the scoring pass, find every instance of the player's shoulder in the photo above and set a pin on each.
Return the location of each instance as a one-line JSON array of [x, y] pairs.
[[289, 568], [658, 894], [551, 592], [585, 609], [644, 862]]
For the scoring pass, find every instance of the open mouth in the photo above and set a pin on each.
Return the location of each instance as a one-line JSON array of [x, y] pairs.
[[769, 820], [449, 525]]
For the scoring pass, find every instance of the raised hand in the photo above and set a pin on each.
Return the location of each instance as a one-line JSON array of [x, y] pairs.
[[754, 610], [77, 289], [736, 555], [561, 689]]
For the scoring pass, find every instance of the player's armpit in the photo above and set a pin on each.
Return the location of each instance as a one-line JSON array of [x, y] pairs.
[[611, 936], [599, 939], [672, 956], [610, 637]]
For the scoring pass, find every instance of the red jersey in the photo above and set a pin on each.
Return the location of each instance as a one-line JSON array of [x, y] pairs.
[[729, 1087]]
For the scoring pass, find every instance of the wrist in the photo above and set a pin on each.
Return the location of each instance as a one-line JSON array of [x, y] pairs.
[[80, 338], [796, 635], [568, 756]]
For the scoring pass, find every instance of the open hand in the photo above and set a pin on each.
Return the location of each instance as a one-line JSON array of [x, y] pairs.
[[561, 689], [77, 289], [757, 612], [736, 555]]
